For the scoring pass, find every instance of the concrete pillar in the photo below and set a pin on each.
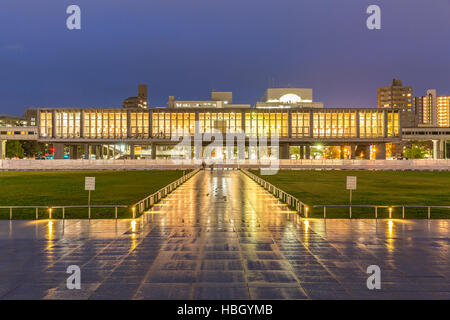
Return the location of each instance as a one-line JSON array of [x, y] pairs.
[[59, 150], [198, 151], [380, 151], [308, 152], [2, 149], [132, 151], [153, 151], [284, 151], [436, 149], [85, 148], [73, 152], [302, 152], [353, 151], [445, 149]]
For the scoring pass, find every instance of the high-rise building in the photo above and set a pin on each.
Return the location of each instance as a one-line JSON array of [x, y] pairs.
[[443, 111], [141, 101], [398, 96], [395, 96], [433, 110]]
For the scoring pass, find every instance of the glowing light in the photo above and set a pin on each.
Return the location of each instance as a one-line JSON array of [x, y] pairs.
[[133, 226], [290, 98], [306, 222], [50, 230]]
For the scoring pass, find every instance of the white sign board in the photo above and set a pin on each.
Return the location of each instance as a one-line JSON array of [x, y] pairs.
[[89, 183], [351, 183]]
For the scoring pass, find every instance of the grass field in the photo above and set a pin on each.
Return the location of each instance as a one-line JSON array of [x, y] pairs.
[[374, 188], [53, 188]]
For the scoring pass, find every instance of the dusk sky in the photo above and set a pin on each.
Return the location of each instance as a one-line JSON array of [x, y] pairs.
[[186, 48]]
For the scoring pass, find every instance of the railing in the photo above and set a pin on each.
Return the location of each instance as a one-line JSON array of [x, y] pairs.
[[51, 208], [153, 198], [140, 205], [285, 197], [147, 164], [376, 209]]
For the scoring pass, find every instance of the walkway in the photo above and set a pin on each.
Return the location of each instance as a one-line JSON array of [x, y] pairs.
[[221, 236]]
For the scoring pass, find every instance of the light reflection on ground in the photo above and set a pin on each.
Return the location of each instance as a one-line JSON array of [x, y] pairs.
[[221, 236]]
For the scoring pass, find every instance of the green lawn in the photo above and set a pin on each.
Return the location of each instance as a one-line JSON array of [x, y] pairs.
[[374, 188], [53, 188]]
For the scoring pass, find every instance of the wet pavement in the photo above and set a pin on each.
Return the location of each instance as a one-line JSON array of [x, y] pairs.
[[221, 236]]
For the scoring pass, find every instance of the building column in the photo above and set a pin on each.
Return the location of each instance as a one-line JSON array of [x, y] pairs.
[[302, 152], [153, 151], [308, 152], [2, 149], [132, 151], [436, 149], [380, 151], [86, 150], [97, 149], [353, 151], [59, 150], [341, 154], [284, 151], [73, 152]]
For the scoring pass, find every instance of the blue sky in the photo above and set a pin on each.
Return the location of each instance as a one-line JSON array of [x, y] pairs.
[[186, 48]]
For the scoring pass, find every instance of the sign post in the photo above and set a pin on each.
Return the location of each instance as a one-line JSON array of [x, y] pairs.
[[89, 185], [351, 185]]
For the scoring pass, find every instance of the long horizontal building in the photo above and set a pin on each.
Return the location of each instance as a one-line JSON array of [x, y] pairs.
[[289, 114]]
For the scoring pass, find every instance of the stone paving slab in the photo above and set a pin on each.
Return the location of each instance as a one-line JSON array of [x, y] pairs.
[[221, 236]]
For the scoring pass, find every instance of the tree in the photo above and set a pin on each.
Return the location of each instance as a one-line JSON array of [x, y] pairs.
[[14, 149], [31, 148], [295, 151], [416, 150]]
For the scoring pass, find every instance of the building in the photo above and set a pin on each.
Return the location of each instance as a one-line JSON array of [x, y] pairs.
[[302, 127], [433, 110], [443, 111], [11, 121], [219, 99], [278, 98], [141, 101], [401, 97], [395, 96]]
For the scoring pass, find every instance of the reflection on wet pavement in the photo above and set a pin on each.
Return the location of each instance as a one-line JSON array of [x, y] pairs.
[[221, 236]]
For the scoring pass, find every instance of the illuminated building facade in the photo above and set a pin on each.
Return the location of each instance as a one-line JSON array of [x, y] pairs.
[[147, 133], [303, 128], [433, 110], [395, 96], [141, 101]]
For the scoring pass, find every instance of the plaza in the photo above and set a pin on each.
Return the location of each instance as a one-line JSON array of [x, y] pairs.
[[221, 236]]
